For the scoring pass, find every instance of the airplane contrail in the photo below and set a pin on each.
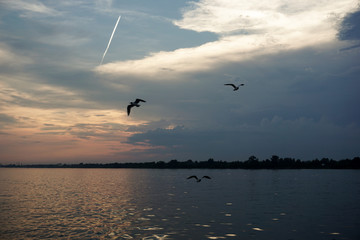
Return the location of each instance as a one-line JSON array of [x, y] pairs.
[[110, 39]]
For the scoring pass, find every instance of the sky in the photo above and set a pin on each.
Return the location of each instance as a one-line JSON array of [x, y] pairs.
[[299, 61]]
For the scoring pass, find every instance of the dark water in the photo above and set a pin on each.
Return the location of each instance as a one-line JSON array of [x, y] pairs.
[[162, 204]]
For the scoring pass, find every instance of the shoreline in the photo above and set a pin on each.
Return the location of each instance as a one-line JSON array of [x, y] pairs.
[[252, 163]]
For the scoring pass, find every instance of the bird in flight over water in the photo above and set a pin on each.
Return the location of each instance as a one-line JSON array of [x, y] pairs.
[[198, 179], [134, 104], [235, 87]]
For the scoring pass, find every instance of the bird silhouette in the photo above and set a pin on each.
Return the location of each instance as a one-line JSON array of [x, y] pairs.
[[134, 104], [198, 179], [235, 87]]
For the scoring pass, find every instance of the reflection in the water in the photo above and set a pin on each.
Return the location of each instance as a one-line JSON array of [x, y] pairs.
[[159, 204], [257, 229], [230, 235]]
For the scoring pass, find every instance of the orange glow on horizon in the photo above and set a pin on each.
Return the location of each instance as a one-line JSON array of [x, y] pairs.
[[63, 135]]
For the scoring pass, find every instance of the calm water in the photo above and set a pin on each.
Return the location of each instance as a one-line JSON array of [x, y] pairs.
[[162, 204]]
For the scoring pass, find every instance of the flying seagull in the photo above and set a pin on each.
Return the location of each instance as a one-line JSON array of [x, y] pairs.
[[235, 87], [134, 104], [198, 179]]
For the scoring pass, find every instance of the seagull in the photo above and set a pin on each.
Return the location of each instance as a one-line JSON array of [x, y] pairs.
[[134, 104], [197, 179], [235, 87]]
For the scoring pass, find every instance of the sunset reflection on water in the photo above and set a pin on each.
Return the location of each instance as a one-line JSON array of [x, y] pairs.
[[55, 203], [162, 204]]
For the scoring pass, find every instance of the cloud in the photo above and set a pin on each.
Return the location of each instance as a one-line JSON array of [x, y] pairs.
[[37, 94], [245, 30], [9, 58], [64, 39], [226, 16], [66, 135], [350, 27], [6, 120], [299, 89], [29, 7], [169, 65], [302, 137], [349, 48]]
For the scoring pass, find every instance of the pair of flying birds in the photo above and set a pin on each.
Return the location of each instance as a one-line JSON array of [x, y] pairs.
[[138, 100]]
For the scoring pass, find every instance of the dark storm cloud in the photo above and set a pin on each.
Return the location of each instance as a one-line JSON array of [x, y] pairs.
[[181, 142], [302, 138], [350, 27], [294, 104]]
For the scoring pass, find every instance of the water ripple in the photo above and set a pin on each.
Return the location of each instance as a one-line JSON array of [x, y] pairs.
[[159, 204]]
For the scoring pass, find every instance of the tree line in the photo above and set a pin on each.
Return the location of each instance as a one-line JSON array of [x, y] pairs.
[[275, 162]]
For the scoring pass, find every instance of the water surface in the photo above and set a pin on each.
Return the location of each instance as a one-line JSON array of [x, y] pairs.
[[162, 204]]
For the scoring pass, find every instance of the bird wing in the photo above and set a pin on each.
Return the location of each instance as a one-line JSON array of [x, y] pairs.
[[193, 177], [206, 177], [230, 84], [128, 109], [242, 84], [139, 100]]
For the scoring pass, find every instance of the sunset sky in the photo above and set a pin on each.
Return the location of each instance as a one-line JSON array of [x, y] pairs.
[[299, 61]]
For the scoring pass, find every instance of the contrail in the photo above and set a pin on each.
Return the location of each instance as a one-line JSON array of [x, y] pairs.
[[110, 39]]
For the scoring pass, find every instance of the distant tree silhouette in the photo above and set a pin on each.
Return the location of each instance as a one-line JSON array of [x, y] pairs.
[[275, 162], [160, 164], [173, 163], [252, 162]]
